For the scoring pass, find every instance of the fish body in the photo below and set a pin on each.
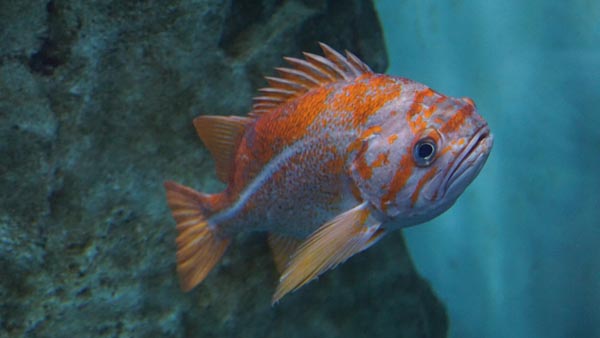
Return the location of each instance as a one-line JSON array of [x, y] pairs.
[[331, 158]]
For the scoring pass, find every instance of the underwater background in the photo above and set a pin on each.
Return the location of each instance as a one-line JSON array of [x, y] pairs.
[[517, 256], [96, 104]]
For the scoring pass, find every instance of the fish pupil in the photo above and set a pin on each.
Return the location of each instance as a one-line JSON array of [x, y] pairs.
[[425, 150]]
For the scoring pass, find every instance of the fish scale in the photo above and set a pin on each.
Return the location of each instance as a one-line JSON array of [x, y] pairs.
[[331, 158]]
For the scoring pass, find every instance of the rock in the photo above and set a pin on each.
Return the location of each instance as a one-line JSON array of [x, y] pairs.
[[96, 103]]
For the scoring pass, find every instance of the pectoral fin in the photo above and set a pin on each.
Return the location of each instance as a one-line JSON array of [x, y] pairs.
[[283, 248], [337, 240]]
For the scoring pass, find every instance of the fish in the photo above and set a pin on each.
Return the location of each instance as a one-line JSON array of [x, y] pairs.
[[331, 158]]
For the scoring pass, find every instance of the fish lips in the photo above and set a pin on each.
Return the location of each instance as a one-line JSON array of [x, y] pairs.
[[468, 163]]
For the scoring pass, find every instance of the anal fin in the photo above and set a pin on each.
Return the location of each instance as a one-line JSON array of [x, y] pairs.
[[283, 248], [334, 242]]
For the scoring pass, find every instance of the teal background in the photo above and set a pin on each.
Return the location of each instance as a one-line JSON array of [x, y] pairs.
[[518, 255]]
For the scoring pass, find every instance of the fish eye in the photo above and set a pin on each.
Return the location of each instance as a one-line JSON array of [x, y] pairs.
[[424, 152]]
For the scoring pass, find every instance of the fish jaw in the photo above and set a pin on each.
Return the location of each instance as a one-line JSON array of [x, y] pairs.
[[468, 164]]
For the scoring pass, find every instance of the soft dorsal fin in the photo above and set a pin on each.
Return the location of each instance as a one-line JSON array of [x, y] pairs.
[[283, 248], [220, 134], [312, 72]]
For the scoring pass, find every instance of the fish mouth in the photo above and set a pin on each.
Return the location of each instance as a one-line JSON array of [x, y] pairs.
[[469, 161]]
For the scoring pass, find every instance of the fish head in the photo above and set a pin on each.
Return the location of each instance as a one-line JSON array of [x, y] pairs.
[[448, 153], [434, 150]]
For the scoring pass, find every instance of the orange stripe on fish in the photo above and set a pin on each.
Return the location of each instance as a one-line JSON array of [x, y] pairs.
[[373, 91], [415, 108], [457, 119], [421, 184], [360, 165], [429, 111], [381, 160], [413, 117], [401, 176], [358, 142]]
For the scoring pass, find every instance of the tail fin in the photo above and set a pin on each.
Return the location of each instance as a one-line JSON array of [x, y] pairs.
[[198, 247]]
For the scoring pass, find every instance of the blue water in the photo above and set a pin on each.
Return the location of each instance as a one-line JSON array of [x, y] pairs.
[[519, 254]]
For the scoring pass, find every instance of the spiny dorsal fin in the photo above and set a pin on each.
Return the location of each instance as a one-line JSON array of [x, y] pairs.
[[220, 134], [312, 72]]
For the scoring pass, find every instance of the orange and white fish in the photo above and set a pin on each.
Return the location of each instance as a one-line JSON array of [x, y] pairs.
[[331, 158]]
